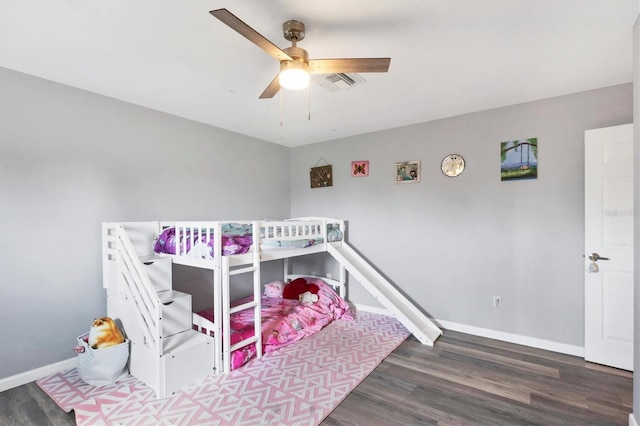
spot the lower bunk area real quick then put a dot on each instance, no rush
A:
(299, 384)
(286, 317)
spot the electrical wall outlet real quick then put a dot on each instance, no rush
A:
(329, 275)
(313, 273)
(497, 302)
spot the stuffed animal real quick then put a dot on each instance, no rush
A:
(308, 298)
(274, 289)
(103, 333)
(295, 288)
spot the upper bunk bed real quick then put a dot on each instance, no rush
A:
(199, 243)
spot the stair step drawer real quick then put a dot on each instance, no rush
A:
(176, 312)
(188, 359)
(159, 272)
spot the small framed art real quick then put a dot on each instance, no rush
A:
(321, 176)
(408, 172)
(519, 159)
(359, 168)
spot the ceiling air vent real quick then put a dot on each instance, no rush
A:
(338, 81)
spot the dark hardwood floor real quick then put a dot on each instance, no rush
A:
(468, 380)
(463, 380)
(29, 405)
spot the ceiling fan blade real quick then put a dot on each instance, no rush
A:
(250, 34)
(272, 88)
(345, 65)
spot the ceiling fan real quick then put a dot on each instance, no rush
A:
(295, 65)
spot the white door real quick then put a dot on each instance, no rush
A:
(609, 246)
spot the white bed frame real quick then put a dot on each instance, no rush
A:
(166, 353)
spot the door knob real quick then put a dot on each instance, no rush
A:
(594, 257)
(593, 266)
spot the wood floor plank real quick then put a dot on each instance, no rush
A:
(519, 364)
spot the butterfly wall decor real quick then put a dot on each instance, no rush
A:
(359, 168)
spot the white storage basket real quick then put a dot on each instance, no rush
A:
(100, 367)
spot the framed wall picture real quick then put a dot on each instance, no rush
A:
(519, 159)
(408, 172)
(359, 168)
(321, 176)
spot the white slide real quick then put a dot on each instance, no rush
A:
(395, 302)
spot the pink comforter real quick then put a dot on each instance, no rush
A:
(284, 321)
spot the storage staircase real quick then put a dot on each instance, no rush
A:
(165, 353)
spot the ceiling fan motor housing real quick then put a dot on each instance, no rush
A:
(297, 53)
(293, 30)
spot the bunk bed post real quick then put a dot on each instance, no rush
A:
(217, 329)
(226, 314)
(257, 288)
(325, 241)
(218, 302)
(287, 267)
(343, 282)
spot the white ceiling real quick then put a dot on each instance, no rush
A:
(448, 57)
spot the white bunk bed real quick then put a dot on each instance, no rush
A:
(166, 352)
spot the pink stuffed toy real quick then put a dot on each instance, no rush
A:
(274, 289)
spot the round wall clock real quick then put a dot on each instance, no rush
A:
(452, 165)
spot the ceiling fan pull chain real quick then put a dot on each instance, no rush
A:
(281, 119)
(309, 103)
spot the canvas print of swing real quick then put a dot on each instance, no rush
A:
(519, 159)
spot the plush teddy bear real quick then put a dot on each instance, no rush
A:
(308, 298)
(274, 289)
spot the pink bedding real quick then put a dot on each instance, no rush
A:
(284, 321)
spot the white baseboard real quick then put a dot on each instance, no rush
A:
(492, 334)
(37, 373)
(632, 420)
(514, 338)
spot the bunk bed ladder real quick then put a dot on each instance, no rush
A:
(222, 283)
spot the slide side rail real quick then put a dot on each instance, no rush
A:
(390, 297)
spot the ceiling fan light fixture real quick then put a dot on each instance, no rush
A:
(295, 66)
(294, 75)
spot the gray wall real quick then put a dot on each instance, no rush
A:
(451, 244)
(70, 160)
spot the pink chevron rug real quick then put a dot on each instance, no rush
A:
(296, 385)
